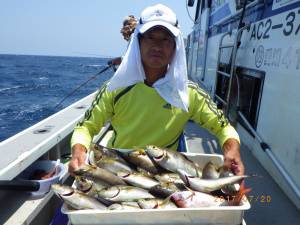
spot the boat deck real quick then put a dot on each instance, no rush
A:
(269, 204)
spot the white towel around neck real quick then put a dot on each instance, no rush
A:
(172, 87)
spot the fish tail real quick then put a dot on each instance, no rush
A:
(238, 198)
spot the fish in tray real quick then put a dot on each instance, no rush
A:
(164, 190)
(168, 178)
(159, 179)
(140, 159)
(156, 204)
(210, 171)
(88, 186)
(195, 199)
(113, 165)
(98, 151)
(124, 206)
(76, 199)
(209, 185)
(138, 179)
(123, 193)
(97, 173)
(230, 189)
(172, 161)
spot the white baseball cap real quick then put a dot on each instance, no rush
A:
(159, 15)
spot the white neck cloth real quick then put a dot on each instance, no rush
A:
(172, 87)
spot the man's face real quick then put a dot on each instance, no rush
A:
(157, 48)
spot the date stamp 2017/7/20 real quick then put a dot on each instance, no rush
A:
(251, 198)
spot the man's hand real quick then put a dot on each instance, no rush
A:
(78, 157)
(232, 157)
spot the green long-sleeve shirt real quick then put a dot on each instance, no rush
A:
(140, 117)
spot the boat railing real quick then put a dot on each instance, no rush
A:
(50, 136)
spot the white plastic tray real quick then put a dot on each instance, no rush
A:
(213, 215)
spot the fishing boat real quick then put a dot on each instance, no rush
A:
(246, 55)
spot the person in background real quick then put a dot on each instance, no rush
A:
(149, 100)
(129, 24)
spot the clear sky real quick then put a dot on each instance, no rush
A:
(74, 27)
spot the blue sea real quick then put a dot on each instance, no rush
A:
(32, 86)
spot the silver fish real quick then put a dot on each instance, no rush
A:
(75, 198)
(96, 173)
(89, 187)
(91, 158)
(173, 161)
(210, 171)
(113, 165)
(137, 179)
(99, 151)
(230, 189)
(140, 159)
(168, 178)
(164, 190)
(208, 185)
(124, 206)
(145, 172)
(156, 203)
(124, 193)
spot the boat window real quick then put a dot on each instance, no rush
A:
(222, 83)
(250, 84)
(246, 92)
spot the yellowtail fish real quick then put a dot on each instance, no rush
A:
(172, 161)
(164, 190)
(124, 193)
(156, 204)
(113, 165)
(138, 179)
(124, 206)
(96, 173)
(89, 187)
(168, 178)
(98, 151)
(210, 171)
(208, 185)
(230, 189)
(141, 159)
(75, 198)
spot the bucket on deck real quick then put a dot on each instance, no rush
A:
(44, 184)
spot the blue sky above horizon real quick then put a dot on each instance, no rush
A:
(73, 28)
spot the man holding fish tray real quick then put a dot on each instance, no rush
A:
(149, 100)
